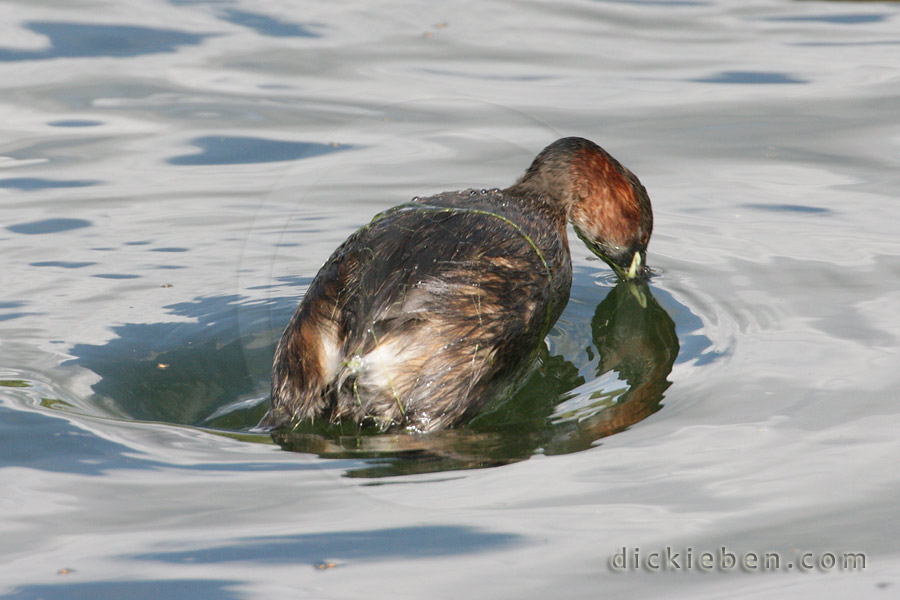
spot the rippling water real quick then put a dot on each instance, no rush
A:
(173, 174)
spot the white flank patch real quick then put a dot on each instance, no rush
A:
(381, 364)
(331, 353)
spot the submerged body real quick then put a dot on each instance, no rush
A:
(439, 304)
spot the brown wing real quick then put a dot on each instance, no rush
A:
(416, 319)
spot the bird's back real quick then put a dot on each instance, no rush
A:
(422, 314)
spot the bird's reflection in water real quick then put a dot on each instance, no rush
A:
(556, 411)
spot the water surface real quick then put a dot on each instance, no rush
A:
(174, 174)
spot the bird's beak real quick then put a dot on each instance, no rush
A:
(635, 269)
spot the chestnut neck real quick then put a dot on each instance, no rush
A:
(605, 202)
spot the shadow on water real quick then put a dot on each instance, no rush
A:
(636, 344)
(186, 372)
(213, 371)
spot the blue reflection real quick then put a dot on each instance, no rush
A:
(266, 25)
(855, 43)
(228, 150)
(196, 589)
(658, 2)
(15, 315)
(75, 123)
(69, 40)
(11, 316)
(46, 442)
(30, 184)
(799, 208)
(376, 544)
(749, 77)
(840, 19)
(695, 345)
(49, 226)
(488, 77)
(62, 264)
(36, 441)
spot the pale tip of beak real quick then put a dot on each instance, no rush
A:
(635, 265)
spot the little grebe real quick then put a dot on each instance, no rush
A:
(439, 304)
